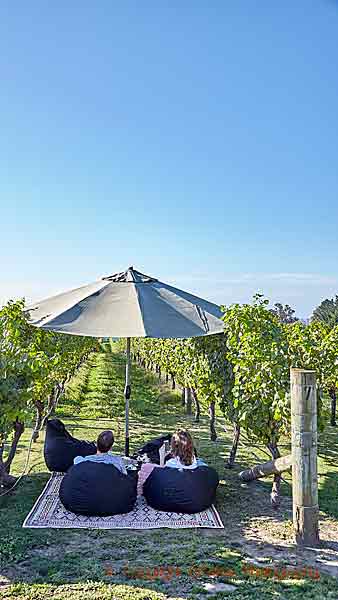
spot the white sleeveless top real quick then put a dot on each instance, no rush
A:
(176, 463)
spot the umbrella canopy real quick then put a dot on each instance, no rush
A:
(128, 304)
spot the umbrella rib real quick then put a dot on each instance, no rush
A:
(203, 317)
(139, 309)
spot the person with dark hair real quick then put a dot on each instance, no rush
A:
(105, 443)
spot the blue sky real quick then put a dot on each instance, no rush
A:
(197, 141)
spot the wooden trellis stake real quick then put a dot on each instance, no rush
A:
(304, 456)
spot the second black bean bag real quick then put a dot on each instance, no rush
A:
(151, 448)
(61, 448)
(186, 491)
(96, 489)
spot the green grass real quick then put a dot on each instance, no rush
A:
(94, 564)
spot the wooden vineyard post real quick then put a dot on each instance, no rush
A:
(304, 456)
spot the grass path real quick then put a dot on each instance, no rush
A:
(89, 564)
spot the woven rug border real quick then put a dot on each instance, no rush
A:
(173, 524)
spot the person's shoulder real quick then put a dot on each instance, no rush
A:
(78, 459)
(172, 462)
(118, 457)
(114, 457)
(117, 461)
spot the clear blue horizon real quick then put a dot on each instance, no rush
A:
(197, 142)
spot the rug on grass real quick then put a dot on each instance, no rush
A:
(48, 511)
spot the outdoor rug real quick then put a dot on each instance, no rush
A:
(48, 511)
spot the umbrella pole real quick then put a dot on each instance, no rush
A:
(127, 392)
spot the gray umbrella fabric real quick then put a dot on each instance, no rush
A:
(128, 304)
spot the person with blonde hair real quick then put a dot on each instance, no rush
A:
(182, 457)
(183, 452)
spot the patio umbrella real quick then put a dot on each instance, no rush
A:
(128, 304)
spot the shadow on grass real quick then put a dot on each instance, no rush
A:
(328, 494)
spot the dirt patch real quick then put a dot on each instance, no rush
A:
(269, 537)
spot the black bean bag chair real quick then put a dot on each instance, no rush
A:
(61, 448)
(96, 489)
(151, 449)
(186, 491)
